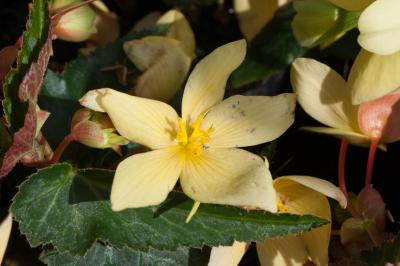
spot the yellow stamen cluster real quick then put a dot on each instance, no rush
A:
(281, 205)
(195, 138)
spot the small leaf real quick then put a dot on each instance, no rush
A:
(388, 252)
(101, 255)
(45, 215)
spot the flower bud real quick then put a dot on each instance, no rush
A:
(76, 25)
(380, 119)
(95, 130)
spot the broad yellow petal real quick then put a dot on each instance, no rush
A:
(352, 137)
(165, 66)
(253, 15)
(206, 84)
(179, 29)
(144, 121)
(320, 185)
(145, 179)
(353, 5)
(228, 255)
(249, 120)
(323, 94)
(314, 18)
(379, 27)
(300, 199)
(5, 231)
(289, 251)
(367, 67)
(229, 176)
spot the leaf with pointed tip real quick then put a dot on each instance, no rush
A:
(21, 85)
(45, 215)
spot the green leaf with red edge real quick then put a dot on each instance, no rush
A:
(22, 84)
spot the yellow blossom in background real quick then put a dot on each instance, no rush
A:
(353, 5)
(253, 15)
(297, 195)
(200, 147)
(164, 60)
(326, 96)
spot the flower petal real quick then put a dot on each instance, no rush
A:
(353, 5)
(229, 176)
(300, 199)
(241, 121)
(144, 121)
(180, 30)
(253, 15)
(206, 84)
(145, 179)
(362, 78)
(228, 255)
(289, 251)
(379, 27)
(165, 66)
(5, 231)
(352, 137)
(323, 94)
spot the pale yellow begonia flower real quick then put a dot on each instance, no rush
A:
(200, 148)
(299, 195)
(5, 231)
(253, 15)
(326, 97)
(379, 26)
(164, 60)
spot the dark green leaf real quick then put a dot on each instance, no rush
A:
(273, 49)
(389, 252)
(45, 215)
(101, 255)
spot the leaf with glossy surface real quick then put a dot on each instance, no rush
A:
(45, 216)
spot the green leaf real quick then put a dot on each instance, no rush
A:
(273, 49)
(42, 208)
(388, 252)
(101, 255)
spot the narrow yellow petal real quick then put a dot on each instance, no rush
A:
(206, 84)
(5, 231)
(144, 121)
(229, 176)
(352, 137)
(164, 63)
(379, 27)
(320, 185)
(352, 5)
(228, 255)
(253, 15)
(289, 251)
(241, 121)
(367, 67)
(145, 179)
(300, 199)
(323, 94)
(179, 29)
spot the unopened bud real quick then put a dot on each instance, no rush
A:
(76, 25)
(95, 130)
(380, 119)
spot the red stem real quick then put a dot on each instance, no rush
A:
(70, 8)
(342, 183)
(61, 148)
(371, 159)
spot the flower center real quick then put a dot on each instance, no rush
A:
(193, 139)
(281, 204)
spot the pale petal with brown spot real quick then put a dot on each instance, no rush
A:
(323, 94)
(229, 176)
(145, 179)
(144, 121)
(241, 121)
(206, 84)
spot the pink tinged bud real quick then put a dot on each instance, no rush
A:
(75, 26)
(380, 119)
